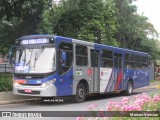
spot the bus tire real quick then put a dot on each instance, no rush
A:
(80, 93)
(129, 90)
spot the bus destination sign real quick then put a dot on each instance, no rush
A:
(34, 41)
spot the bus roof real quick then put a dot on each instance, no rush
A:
(121, 49)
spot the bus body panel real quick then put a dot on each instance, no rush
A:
(49, 91)
(66, 83)
(113, 79)
(81, 72)
(140, 77)
(65, 80)
(35, 87)
(118, 80)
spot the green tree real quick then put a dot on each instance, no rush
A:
(125, 21)
(51, 18)
(18, 18)
(89, 20)
(8, 33)
(134, 31)
(111, 22)
(92, 23)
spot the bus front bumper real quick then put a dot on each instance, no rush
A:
(49, 91)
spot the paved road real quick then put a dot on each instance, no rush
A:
(67, 105)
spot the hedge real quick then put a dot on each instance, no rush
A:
(6, 82)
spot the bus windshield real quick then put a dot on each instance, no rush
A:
(35, 60)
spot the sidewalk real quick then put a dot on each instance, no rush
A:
(152, 85)
(9, 98)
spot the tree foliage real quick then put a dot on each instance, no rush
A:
(111, 22)
(90, 20)
(17, 18)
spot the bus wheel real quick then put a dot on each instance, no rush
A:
(80, 93)
(129, 88)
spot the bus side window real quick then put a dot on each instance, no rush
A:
(106, 59)
(68, 48)
(81, 55)
(127, 60)
(144, 62)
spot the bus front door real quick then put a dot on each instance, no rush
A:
(118, 71)
(95, 71)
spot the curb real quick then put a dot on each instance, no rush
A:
(148, 87)
(18, 101)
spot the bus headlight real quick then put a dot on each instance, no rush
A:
(16, 84)
(48, 83)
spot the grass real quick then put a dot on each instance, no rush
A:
(153, 81)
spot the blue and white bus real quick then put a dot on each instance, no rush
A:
(50, 66)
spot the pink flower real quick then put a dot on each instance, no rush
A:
(110, 103)
(135, 107)
(117, 107)
(139, 102)
(138, 108)
(156, 98)
(124, 102)
(108, 107)
(92, 106)
(125, 99)
(124, 108)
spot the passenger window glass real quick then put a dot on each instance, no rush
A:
(81, 55)
(106, 58)
(136, 61)
(68, 48)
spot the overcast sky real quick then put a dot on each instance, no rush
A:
(151, 9)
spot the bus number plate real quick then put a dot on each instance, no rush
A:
(27, 90)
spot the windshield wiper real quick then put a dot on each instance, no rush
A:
(24, 59)
(37, 55)
(30, 59)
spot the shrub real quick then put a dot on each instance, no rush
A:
(5, 82)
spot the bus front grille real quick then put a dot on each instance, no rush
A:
(32, 92)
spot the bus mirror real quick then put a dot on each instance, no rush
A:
(11, 55)
(63, 58)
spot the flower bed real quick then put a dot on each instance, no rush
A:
(121, 109)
